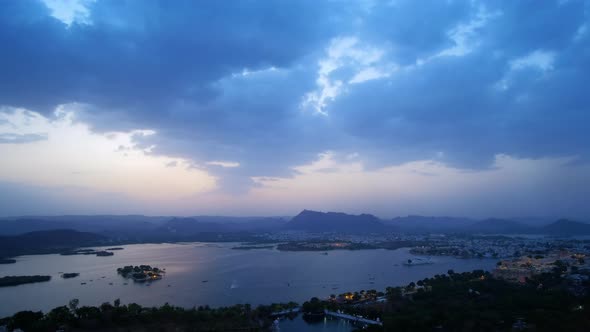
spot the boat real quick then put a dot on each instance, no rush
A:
(418, 261)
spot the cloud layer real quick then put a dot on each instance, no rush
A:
(253, 89)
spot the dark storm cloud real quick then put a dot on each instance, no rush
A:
(178, 67)
(457, 106)
(169, 66)
(143, 55)
(415, 30)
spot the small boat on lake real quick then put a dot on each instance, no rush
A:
(418, 261)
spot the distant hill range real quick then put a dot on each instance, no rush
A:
(564, 227)
(140, 228)
(421, 224)
(102, 224)
(317, 222)
(195, 225)
(499, 226)
(47, 242)
(136, 228)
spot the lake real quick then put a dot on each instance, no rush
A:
(214, 274)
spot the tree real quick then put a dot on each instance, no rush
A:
(356, 296)
(88, 312)
(106, 307)
(25, 320)
(73, 305)
(60, 316)
(560, 266)
(135, 309)
(314, 306)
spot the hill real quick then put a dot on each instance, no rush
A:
(137, 228)
(420, 224)
(313, 221)
(190, 226)
(566, 227)
(47, 242)
(499, 226)
(103, 224)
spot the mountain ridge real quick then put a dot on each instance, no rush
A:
(567, 227)
(314, 221)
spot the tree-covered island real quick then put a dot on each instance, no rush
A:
(141, 273)
(20, 280)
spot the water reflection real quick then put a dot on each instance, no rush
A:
(299, 323)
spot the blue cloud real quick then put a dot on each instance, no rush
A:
(225, 80)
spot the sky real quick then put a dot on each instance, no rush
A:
(463, 108)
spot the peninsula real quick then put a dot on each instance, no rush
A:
(20, 280)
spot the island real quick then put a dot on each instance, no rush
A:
(249, 247)
(70, 275)
(100, 253)
(20, 280)
(78, 252)
(141, 273)
(116, 248)
(418, 261)
(7, 261)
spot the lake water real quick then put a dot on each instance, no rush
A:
(325, 325)
(260, 276)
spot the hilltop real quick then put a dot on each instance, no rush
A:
(47, 241)
(418, 224)
(567, 227)
(499, 226)
(313, 221)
